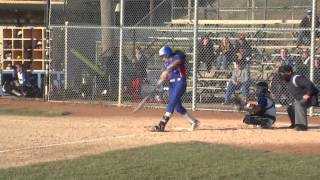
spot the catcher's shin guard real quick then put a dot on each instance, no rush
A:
(250, 119)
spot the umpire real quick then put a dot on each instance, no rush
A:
(305, 95)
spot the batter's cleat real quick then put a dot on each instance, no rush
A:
(195, 125)
(157, 128)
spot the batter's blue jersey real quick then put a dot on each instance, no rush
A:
(180, 71)
(177, 84)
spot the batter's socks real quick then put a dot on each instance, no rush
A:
(162, 124)
(193, 121)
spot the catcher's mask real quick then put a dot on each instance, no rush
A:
(261, 88)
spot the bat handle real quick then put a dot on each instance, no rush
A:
(159, 82)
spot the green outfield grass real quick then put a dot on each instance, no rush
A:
(176, 161)
(31, 112)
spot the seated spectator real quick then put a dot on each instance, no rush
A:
(243, 45)
(239, 79)
(206, 52)
(244, 48)
(285, 58)
(302, 64)
(19, 80)
(224, 52)
(262, 112)
(278, 87)
(304, 37)
(20, 85)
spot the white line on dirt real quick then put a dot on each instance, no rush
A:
(67, 143)
(106, 138)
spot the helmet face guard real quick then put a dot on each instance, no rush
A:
(165, 51)
(261, 88)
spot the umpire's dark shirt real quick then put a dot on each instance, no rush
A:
(305, 86)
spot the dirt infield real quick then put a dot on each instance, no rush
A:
(92, 129)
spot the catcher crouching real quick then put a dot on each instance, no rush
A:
(263, 112)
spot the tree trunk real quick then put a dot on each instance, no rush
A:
(151, 9)
(107, 20)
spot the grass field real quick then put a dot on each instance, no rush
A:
(193, 160)
(31, 112)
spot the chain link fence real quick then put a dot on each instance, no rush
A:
(79, 69)
(231, 55)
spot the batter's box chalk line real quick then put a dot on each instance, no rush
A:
(68, 143)
(177, 129)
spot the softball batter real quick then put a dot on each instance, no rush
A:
(175, 73)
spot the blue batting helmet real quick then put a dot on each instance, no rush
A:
(165, 51)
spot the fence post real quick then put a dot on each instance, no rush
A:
(47, 46)
(66, 55)
(120, 52)
(189, 8)
(172, 7)
(195, 49)
(313, 37)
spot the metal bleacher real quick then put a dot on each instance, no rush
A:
(265, 42)
(266, 36)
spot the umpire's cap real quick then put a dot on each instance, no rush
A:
(285, 69)
(309, 12)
